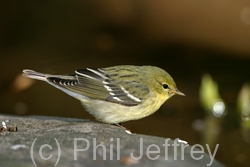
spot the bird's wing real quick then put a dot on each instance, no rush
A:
(99, 84)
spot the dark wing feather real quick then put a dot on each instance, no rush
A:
(98, 84)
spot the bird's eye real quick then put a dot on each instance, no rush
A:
(165, 86)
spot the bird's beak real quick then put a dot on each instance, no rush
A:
(177, 92)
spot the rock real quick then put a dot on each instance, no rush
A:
(64, 142)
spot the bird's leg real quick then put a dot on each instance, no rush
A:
(120, 125)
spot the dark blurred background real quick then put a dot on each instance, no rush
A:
(189, 39)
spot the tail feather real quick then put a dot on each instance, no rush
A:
(62, 82)
(35, 75)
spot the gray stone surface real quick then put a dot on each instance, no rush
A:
(34, 132)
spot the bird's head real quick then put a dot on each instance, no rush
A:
(162, 83)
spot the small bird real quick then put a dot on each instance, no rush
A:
(115, 94)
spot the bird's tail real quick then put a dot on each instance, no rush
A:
(35, 75)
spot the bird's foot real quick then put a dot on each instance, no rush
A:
(120, 125)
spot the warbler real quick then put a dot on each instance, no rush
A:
(115, 94)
